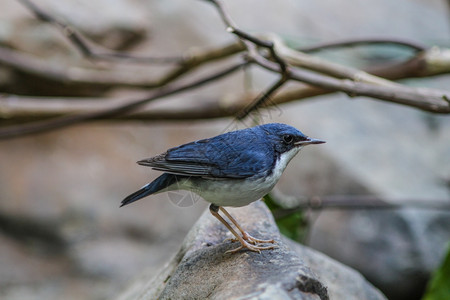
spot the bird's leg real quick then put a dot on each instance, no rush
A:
(214, 209)
(245, 234)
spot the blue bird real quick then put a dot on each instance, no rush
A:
(231, 169)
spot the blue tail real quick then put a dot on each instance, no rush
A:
(156, 185)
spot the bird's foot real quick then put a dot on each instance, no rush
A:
(254, 248)
(246, 240)
(254, 240)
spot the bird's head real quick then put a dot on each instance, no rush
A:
(286, 138)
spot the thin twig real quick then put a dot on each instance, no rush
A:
(357, 203)
(414, 45)
(18, 109)
(262, 100)
(83, 47)
(91, 78)
(432, 61)
(264, 44)
(14, 109)
(361, 83)
(299, 59)
(427, 99)
(250, 42)
(247, 39)
(38, 127)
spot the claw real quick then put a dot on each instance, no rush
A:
(254, 240)
(250, 239)
(246, 240)
(231, 239)
(250, 247)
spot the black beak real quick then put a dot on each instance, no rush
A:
(309, 141)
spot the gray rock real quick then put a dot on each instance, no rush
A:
(396, 250)
(202, 270)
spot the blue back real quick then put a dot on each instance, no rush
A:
(237, 154)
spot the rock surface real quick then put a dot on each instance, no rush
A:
(202, 270)
(396, 250)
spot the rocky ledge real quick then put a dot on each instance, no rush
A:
(202, 270)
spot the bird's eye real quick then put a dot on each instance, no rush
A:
(288, 138)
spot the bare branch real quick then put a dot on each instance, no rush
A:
(292, 204)
(360, 83)
(37, 127)
(430, 62)
(14, 109)
(365, 41)
(249, 40)
(90, 78)
(68, 75)
(81, 44)
(358, 203)
(299, 59)
(18, 109)
(262, 100)
(279, 59)
(426, 99)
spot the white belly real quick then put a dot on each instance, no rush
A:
(237, 192)
(233, 192)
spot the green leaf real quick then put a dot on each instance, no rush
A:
(439, 285)
(293, 225)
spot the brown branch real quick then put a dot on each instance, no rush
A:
(81, 44)
(431, 100)
(356, 202)
(281, 60)
(90, 78)
(355, 82)
(18, 109)
(292, 204)
(299, 59)
(58, 74)
(430, 62)
(262, 100)
(249, 40)
(414, 45)
(37, 127)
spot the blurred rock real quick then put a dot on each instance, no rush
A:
(202, 270)
(58, 220)
(396, 250)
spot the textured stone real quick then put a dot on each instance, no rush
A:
(202, 270)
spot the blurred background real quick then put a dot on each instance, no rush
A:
(62, 232)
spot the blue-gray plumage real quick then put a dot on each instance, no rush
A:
(231, 169)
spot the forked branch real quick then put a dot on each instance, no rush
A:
(313, 76)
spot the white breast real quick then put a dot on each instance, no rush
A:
(239, 192)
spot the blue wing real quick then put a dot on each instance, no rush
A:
(230, 155)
